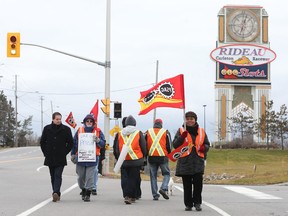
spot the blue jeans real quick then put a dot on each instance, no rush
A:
(164, 167)
(96, 174)
(56, 178)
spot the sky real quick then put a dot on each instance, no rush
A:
(178, 34)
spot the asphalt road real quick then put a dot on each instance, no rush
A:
(25, 190)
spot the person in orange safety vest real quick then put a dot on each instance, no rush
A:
(159, 146)
(190, 166)
(132, 146)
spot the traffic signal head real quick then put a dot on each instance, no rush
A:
(13, 45)
(106, 108)
(117, 110)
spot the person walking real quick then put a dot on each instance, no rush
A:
(56, 142)
(159, 146)
(134, 159)
(190, 166)
(86, 156)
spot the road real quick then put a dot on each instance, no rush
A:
(25, 190)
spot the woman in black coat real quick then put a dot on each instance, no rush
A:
(190, 166)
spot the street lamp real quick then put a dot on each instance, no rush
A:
(204, 106)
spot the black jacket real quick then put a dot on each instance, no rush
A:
(191, 164)
(56, 142)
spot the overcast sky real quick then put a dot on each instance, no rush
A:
(180, 34)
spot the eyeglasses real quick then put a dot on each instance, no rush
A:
(90, 121)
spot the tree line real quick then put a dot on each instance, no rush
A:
(9, 136)
(272, 126)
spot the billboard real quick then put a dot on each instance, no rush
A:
(243, 55)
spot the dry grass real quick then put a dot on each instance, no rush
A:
(240, 166)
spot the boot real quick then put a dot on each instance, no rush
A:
(83, 194)
(87, 196)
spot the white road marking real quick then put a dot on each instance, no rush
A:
(215, 208)
(38, 169)
(251, 193)
(45, 202)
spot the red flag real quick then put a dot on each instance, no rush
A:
(167, 93)
(70, 120)
(177, 153)
(94, 111)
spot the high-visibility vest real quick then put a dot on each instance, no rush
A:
(198, 142)
(96, 131)
(156, 141)
(132, 142)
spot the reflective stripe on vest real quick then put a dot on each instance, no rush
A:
(155, 142)
(198, 142)
(96, 132)
(128, 140)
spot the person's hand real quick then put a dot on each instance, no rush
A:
(184, 134)
(74, 158)
(202, 148)
(96, 139)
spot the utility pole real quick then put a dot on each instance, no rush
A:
(16, 113)
(107, 85)
(156, 81)
(41, 99)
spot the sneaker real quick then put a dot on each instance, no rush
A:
(198, 207)
(127, 200)
(55, 197)
(133, 200)
(94, 192)
(164, 194)
(188, 208)
(156, 198)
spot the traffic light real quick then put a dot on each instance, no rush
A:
(106, 108)
(117, 110)
(13, 45)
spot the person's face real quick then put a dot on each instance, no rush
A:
(57, 120)
(190, 121)
(89, 122)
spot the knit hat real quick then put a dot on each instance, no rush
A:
(123, 122)
(191, 114)
(130, 120)
(89, 116)
(158, 123)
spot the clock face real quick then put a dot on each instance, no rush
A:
(243, 25)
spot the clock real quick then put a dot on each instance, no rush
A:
(243, 25)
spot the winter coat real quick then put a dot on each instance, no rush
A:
(56, 142)
(191, 164)
(131, 163)
(160, 159)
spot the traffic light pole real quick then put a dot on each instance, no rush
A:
(107, 66)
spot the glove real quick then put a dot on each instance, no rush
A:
(96, 139)
(202, 148)
(184, 134)
(74, 159)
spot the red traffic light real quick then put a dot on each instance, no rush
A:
(13, 39)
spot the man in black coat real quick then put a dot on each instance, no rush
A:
(56, 142)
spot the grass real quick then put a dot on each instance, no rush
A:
(245, 167)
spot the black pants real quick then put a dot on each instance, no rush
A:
(56, 178)
(192, 185)
(130, 181)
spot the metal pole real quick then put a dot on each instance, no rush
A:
(157, 63)
(204, 106)
(41, 98)
(16, 113)
(107, 85)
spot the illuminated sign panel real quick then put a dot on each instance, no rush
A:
(229, 72)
